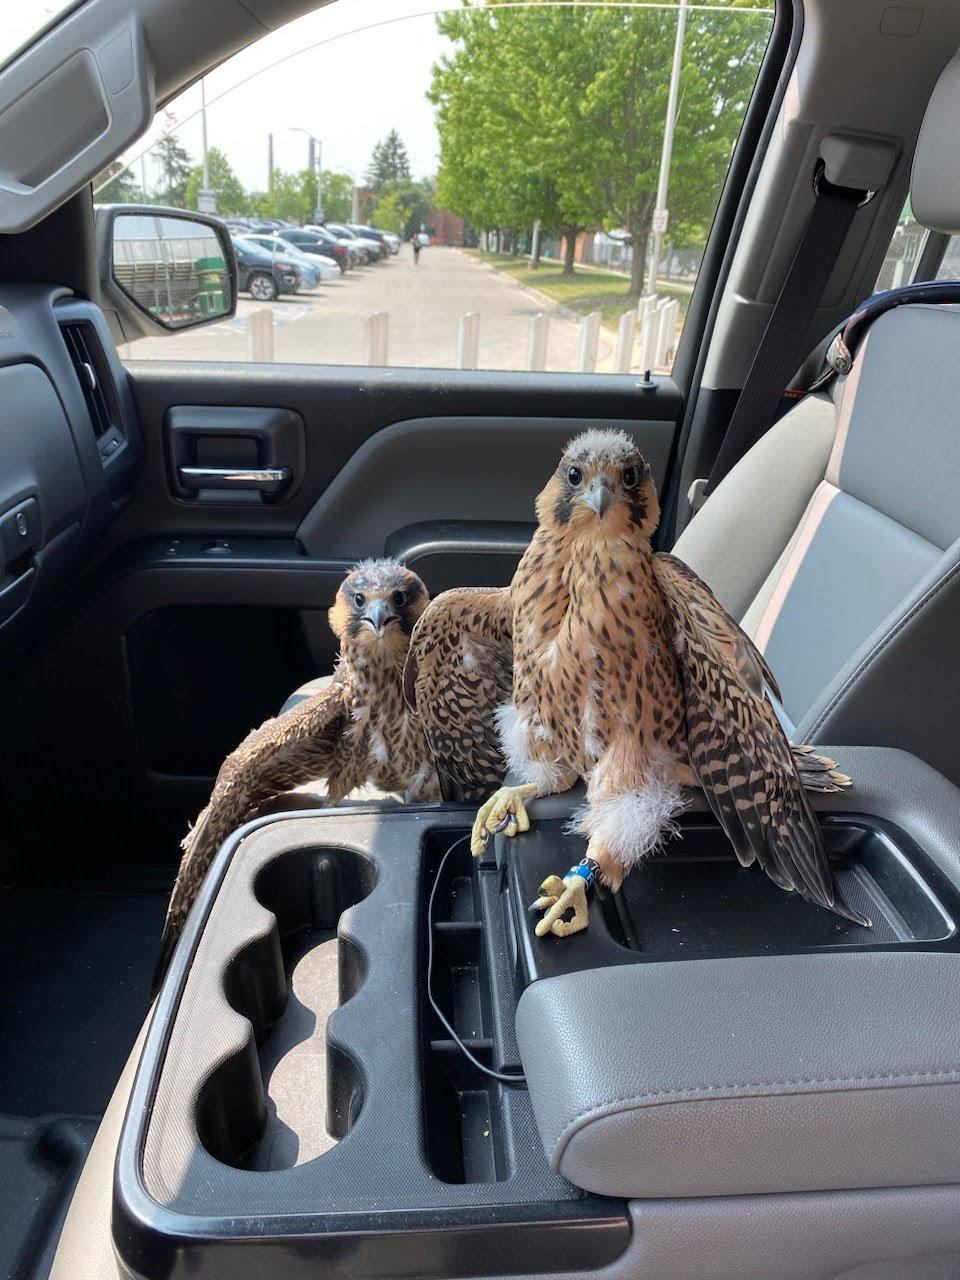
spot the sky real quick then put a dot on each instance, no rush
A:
(347, 73)
(359, 68)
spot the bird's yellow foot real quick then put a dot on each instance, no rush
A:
(556, 898)
(505, 807)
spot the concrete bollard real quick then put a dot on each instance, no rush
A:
(537, 341)
(667, 333)
(468, 340)
(589, 341)
(375, 333)
(648, 331)
(260, 335)
(626, 334)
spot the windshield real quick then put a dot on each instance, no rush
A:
(23, 22)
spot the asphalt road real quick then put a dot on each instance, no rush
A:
(424, 304)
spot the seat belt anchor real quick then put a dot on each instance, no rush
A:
(697, 493)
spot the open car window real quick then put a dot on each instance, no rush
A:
(521, 231)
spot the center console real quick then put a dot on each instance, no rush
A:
(302, 1108)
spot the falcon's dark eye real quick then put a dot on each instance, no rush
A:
(574, 477)
(630, 477)
(359, 599)
(399, 599)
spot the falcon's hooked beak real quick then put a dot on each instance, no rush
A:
(599, 496)
(378, 616)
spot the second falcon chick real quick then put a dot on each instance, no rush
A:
(356, 730)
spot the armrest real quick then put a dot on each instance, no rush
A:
(752, 1075)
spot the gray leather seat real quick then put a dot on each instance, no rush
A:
(836, 541)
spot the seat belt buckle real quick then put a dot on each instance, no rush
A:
(697, 493)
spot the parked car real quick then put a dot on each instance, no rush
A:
(372, 248)
(323, 267)
(356, 254)
(264, 275)
(319, 243)
(389, 238)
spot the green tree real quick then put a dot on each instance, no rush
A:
(416, 198)
(174, 165)
(291, 196)
(498, 163)
(231, 197)
(389, 214)
(558, 114)
(337, 196)
(389, 162)
(119, 185)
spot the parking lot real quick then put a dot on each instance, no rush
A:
(424, 304)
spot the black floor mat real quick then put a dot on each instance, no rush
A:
(75, 971)
(40, 1161)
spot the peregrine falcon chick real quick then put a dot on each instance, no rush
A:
(629, 674)
(356, 730)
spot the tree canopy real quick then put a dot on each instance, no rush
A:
(389, 162)
(337, 196)
(116, 185)
(175, 166)
(557, 113)
(231, 196)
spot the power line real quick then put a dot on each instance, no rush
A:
(451, 8)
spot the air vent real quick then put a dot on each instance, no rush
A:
(93, 374)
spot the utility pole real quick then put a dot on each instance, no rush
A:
(206, 199)
(203, 127)
(319, 182)
(660, 210)
(269, 161)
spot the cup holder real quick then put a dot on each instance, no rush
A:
(289, 1096)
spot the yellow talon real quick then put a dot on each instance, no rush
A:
(557, 897)
(507, 803)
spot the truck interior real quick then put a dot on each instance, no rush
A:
(715, 1081)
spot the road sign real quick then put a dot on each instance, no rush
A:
(206, 201)
(660, 219)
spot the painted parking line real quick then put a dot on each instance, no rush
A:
(284, 314)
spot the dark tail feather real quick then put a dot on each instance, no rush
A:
(199, 846)
(818, 773)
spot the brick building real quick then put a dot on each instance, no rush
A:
(447, 228)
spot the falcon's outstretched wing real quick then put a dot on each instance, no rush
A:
(300, 746)
(459, 670)
(737, 747)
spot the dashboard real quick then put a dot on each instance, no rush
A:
(69, 444)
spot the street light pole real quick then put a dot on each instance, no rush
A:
(203, 130)
(319, 181)
(663, 182)
(315, 165)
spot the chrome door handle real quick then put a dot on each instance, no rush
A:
(263, 479)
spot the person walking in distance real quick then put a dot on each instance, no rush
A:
(415, 241)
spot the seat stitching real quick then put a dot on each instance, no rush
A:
(874, 653)
(692, 1093)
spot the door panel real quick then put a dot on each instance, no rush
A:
(202, 613)
(435, 469)
(342, 409)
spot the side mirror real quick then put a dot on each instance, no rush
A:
(163, 270)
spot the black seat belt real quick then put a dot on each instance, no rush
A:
(779, 354)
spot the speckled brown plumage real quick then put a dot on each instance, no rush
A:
(458, 672)
(357, 730)
(629, 674)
